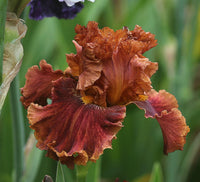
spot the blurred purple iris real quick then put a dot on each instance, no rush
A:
(48, 8)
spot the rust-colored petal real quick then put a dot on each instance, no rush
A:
(163, 106)
(105, 40)
(112, 61)
(74, 61)
(84, 65)
(127, 79)
(39, 84)
(144, 40)
(71, 131)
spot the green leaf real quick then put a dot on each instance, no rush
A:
(33, 159)
(189, 159)
(3, 9)
(17, 131)
(88, 173)
(82, 172)
(60, 174)
(64, 174)
(15, 30)
(156, 175)
(94, 171)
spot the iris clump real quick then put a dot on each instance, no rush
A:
(108, 72)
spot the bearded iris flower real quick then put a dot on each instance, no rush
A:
(89, 98)
(40, 9)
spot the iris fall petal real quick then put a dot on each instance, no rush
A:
(71, 131)
(39, 84)
(163, 106)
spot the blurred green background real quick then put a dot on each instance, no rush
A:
(139, 145)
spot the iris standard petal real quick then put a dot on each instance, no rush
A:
(84, 65)
(127, 79)
(112, 62)
(106, 40)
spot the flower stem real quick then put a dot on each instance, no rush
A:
(94, 171)
(18, 130)
(90, 172)
(3, 9)
(81, 173)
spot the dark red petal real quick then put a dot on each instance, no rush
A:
(72, 131)
(39, 84)
(163, 106)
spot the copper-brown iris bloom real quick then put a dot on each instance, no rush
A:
(89, 98)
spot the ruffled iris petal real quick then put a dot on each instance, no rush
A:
(48, 8)
(85, 65)
(39, 84)
(71, 131)
(163, 106)
(106, 40)
(127, 79)
(110, 65)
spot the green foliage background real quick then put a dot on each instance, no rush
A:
(139, 145)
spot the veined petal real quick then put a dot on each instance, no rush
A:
(112, 61)
(163, 106)
(106, 40)
(39, 84)
(71, 131)
(127, 79)
(85, 65)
